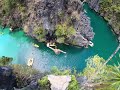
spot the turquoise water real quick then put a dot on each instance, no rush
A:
(20, 47)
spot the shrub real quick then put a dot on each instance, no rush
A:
(93, 64)
(23, 74)
(5, 61)
(40, 33)
(8, 5)
(63, 31)
(73, 84)
(44, 81)
(56, 71)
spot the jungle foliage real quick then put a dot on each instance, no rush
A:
(110, 9)
(64, 31)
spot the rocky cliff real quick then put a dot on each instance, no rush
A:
(7, 79)
(45, 15)
(94, 4)
(110, 10)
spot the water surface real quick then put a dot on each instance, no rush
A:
(20, 47)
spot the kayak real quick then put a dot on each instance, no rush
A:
(35, 45)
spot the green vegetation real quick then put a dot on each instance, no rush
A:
(12, 13)
(107, 77)
(8, 5)
(64, 31)
(110, 9)
(23, 73)
(43, 82)
(5, 61)
(40, 33)
(56, 71)
(93, 64)
(73, 84)
(114, 77)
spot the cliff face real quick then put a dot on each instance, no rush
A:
(7, 79)
(10, 80)
(94, 4)
(47, 14)
(110, 10)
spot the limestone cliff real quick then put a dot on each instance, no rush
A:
(47, 14)
(110, 10)
(94, 4)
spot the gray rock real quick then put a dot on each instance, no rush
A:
(7, 79)
(94, 4)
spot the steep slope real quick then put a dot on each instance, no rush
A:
(60, 20)
(110, 10)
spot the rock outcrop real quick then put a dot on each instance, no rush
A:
(7, 79)
(49, 13)
(33, 83)
(105, 9)
(94, 4)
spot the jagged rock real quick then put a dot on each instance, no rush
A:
(81, 80)
(94, 4)
(33, 83)
(7, 79)
(48, 14)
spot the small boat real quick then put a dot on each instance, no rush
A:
(91, 44)
(48, 45)
(35, 45)
(11, 29)
(30, 62)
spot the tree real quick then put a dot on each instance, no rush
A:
(114, 78)
(64, 31)
(40, 33)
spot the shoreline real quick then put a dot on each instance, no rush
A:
(110, 25)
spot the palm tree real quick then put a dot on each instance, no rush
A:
(114, 78)
(112, 55)
(91, 79)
